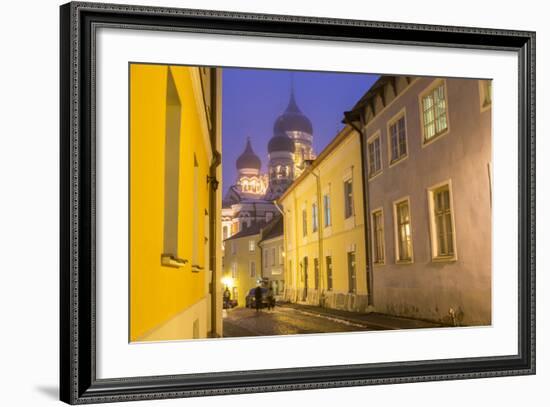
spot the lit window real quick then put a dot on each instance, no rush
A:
(442, 223)
(314, 218)
(326, 205)
(234, 271)
(348, 198)
(375, 161)
(251, 245)
(398, 139)
(434, 112)
(404, 234)
(378, 234)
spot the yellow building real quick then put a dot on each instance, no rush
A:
(175, 140)
(324, 230)
(242, 263)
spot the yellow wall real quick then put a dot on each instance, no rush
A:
(242, 258)
(342, 236)
(158, 293)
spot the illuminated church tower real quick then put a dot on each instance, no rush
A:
(250, 182)
(298, 127)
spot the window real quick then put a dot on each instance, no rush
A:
(251, 245)
(328, 260)
(486, 93)
(252, 268)
(233, 248)
(266, 257)
(316, 272)
(403, 232)
(434, 112)
(375, 162)
(172, 169)
(268, 216)
(280, 254)
(314, 218)
(234, 271)
(348, 198)
(326, 206)
(398, 139)
(273, 256)
(378, 236)
(351, 272)
(304, 222)
(442, 223)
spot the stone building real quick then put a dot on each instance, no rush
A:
(427, 144)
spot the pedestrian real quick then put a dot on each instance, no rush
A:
(258, 297)
(270, 299)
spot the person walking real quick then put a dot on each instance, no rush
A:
(258, 297)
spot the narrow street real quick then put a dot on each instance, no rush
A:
(282, 320)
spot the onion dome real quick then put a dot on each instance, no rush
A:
(292, 119)
(280, 142)
(249, 159)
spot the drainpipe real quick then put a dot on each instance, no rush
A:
(320, 227)
(358, 125)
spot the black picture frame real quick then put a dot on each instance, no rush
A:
(78, 382)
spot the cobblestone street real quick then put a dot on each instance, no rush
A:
(283, 321)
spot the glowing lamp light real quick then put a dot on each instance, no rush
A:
(227, 281)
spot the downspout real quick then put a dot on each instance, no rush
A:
(213, 191)
(366, 204)
(320, 232)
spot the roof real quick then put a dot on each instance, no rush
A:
(336, 141)
(254, 229)
(273, 229)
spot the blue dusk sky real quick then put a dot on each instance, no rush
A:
(254, 98)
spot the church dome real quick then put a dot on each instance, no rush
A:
(280, 142)
(249, 159)
(292, 119)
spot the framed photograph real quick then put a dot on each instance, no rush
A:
(255, 203)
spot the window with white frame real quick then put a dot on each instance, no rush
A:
(443, 239)
(234, 270)
(348, 198)
(314, 218)
(397, 139)
(268, 216)
(233, 248)
(378, 236)
(326, 207)
(434, 112)
(486, 93)
(404, 250)
(251, 245)
(375, 160)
